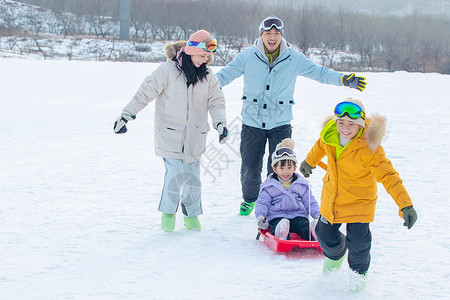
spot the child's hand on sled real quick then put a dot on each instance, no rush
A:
(262, 222)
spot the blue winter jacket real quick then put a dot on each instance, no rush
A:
(268, 93)
(275, 201)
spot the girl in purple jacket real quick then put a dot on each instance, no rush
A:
(285, 200)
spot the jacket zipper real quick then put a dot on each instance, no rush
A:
(271, 67)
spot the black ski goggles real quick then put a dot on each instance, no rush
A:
(284, 151)
(272, 22)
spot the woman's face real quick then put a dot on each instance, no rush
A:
(199, 59)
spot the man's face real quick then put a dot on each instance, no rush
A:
(271, 39)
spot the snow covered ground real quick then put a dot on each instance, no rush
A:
(78, 204)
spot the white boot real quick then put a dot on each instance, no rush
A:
(282, 229)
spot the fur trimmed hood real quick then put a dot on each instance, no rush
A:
(171, 49)
(374, 131)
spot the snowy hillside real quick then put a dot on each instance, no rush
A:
(43, 38)
(78, 209)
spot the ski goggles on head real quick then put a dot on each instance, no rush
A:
(271, 22)
(284, 151)
(208, 45)
(350, 109)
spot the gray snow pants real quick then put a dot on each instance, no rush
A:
(181, 182)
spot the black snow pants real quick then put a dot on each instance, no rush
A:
(334, 243)
(253, 147)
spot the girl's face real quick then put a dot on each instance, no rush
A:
(347, 129)
(271, 40)
(284, 172)
(199, 59)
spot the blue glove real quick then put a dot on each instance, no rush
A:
(355, 82)
(223, 133)
(119, 125)
(410, 216)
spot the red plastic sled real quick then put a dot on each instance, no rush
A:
(278, 245)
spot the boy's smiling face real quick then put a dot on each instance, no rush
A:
(347, 129)
(271, 39)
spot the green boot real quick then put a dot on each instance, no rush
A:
(330, 265)
(167, 222)
(247, 208)
(192, 223)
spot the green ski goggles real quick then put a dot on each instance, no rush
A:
(350, 109)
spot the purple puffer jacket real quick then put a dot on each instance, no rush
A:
(274, 201)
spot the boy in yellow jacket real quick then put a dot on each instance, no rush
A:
(356, 161)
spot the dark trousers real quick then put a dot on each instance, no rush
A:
(298, 225)
(358, 241)
(253, 147)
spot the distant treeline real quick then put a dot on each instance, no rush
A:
(415, 42)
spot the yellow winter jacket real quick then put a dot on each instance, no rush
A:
(349, 192)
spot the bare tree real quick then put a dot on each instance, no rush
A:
(10, 19)
(415, 42)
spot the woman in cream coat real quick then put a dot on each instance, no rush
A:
(184, 89)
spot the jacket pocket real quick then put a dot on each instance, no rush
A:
(362, 192)
(326, 178)
(170, 138)
(250, 107)
(284, 110)
(201, 131)
(326, 186)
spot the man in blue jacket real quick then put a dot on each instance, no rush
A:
(270, 68)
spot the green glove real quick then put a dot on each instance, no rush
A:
(355, 82)
(410, 216)
(306, 169)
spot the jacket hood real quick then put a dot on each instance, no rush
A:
(374, 131)
(171, 49)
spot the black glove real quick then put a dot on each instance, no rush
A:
(306, 169)
(119, 125)
(355, 82)
(223, 133)
(410, 216)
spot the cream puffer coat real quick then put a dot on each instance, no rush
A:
(181, 112)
